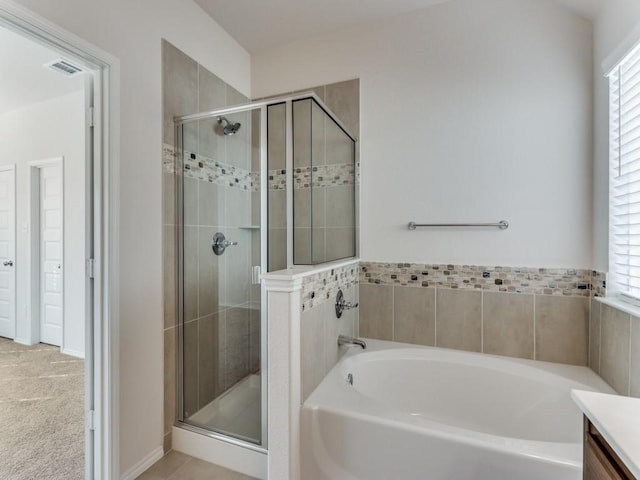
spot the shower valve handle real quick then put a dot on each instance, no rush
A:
(342, 304)
(219, 243)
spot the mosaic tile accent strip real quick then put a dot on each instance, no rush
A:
(323, 287)
(168, 159)
(206, 169)
(544, 281)
(322, 176)
(599, 283)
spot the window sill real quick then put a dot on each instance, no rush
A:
(618, 304)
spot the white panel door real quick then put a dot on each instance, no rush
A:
(51, 287)
(7, 253)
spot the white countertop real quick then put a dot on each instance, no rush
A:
(617, 418)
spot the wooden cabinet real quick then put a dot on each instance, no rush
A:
(600, 461)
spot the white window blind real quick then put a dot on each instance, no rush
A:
(624, 124)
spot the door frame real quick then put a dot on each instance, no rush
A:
(102, 143)
(12, 168)
(33, 262)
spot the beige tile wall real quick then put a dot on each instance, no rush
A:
(615, 348)
(221, 333)
(541, 327)
(319, 343)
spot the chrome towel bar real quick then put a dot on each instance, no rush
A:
(502, 225)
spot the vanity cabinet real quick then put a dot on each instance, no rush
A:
(600, 462)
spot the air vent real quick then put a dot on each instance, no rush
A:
(64, 67)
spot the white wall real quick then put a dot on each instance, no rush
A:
(471, 111)
(54, 128)
(132, 31)
(617, 26)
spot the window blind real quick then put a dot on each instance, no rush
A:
(624, 122)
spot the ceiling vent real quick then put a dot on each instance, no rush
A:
(64, 67)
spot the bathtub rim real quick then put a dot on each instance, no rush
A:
(333, 395)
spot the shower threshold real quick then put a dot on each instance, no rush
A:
(235, 413)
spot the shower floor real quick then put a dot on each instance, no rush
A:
(236, 412)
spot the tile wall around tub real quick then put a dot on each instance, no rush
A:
(614, 342)
(218, 172)
(615, 347)
(320, 325)
(532, 313)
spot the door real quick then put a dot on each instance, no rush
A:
(220, 249)
(7, 252)
(51, 285)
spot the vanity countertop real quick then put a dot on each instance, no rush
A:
(617, 418)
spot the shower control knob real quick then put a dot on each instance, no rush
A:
(219, 243)
(342, 304)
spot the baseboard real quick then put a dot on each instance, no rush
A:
(23, 341)
(73, 353)
(143, 465)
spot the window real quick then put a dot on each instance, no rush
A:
(624, 144)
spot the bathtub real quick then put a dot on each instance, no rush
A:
(433, 414)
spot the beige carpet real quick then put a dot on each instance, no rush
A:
(41, 413)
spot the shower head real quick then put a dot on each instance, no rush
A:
(229, 128)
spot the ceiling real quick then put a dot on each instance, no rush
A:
(23, 79)
(262, 24)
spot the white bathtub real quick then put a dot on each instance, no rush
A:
(431, 414)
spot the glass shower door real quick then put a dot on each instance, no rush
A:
(221, 258)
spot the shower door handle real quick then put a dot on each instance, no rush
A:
(256, 275)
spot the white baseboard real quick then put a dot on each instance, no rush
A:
(233, 457)
(73, 353)
(23, 341)
(143, 465)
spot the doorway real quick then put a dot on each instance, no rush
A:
(99, 376)
(37, 372)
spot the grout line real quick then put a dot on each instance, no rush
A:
(198, 366)
(324, 345)
(482, 321)
(629, 359)
(600, 341)
(589, 334)
(535, 346)
(393, 312)
(435, 317)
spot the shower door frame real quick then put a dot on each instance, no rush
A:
(182, 422)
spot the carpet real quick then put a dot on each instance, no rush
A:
(41, 413)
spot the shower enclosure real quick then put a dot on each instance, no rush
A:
(240, 177)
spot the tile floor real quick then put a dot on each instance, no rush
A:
(178, 466)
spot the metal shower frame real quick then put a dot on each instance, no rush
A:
(179, 121)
